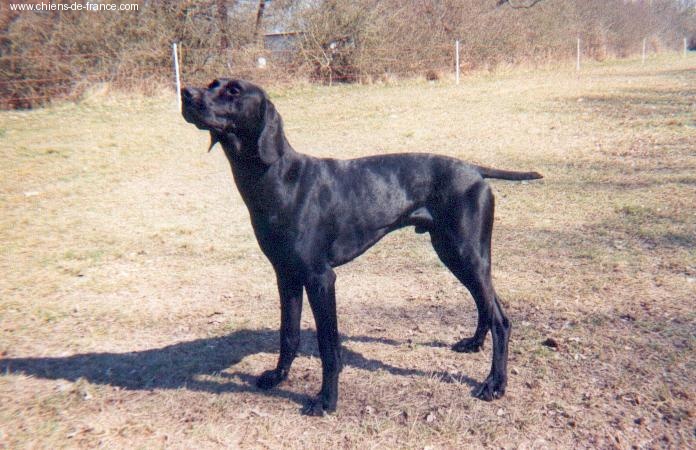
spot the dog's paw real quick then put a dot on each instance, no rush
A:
(270, 379)
(316, 407)
(491, 389)
(468, 345)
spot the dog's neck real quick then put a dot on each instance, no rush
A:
(248, 169)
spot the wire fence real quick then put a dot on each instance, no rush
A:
(329, 66)
(31, 80)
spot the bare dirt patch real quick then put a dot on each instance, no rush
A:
(136, 308)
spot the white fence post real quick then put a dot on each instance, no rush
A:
(643, 54)
(456, 62)
(577, 64)
(176, 73)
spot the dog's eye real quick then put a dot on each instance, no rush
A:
(214, 84)
(233, 89)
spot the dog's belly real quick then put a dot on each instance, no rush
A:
(349, 246)
(356, 238)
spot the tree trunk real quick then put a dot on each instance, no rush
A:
(259, 19)
(222, 23)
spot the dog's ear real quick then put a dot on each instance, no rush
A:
(270, 143)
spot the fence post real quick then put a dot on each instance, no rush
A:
(685, 47)
(176, 73)
(456, 60)
(643, 54)
(577, 64)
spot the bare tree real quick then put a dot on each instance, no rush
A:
(222, 23)
(259, 17)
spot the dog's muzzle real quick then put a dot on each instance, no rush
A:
(192, 107)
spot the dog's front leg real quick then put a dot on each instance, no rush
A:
(290, 289)
(322, 299)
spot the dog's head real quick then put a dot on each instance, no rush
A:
(236, 112)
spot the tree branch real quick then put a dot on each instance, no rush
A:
(517, 6)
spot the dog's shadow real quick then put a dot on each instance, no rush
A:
(184, 365)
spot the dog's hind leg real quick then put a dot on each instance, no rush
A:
(462, 240)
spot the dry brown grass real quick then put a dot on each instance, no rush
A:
(136, 308)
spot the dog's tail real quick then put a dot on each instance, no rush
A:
(488, 172)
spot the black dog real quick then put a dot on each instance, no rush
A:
(311, 215)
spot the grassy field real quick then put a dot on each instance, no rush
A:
(136, 309)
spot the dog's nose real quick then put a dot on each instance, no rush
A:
(186, 94)
(191, 95)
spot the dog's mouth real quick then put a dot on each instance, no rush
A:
(192, 114)
(193, 110)
(194, 119)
